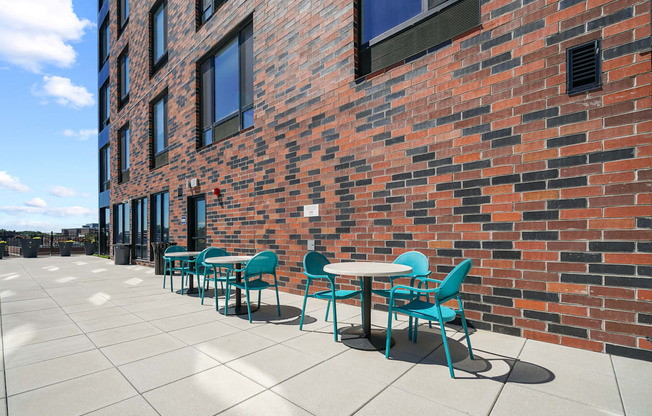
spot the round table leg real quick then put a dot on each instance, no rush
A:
(356, 339)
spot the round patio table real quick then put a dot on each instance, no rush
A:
(366, 338)
(180, 255)
(237, 261)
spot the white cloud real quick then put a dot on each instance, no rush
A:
(75, 211)
(11, 182)
(64, 92)
(64, 192)
(34, 33)
(81, 135)
(36, 202)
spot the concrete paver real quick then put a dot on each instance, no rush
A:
(83, 336)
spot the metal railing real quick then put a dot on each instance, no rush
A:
(50, 242)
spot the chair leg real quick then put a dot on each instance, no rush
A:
(388, 342)
(443, 336)
(202, 288)
(226, 302)
(328, 308)
(165, 272)
(278, 302)
(334, 315)
(303, 310)
(416, 327)
(466, 331)
(409, 327)
(249, 305)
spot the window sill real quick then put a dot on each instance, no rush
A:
(123, 102)
(232, 136)
(156, 66)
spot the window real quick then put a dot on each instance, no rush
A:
(105, 168)
(140, 228)
(161, 217)
(391, 31)
(123, 153)
(227, 85)
(105, 105)
(105, 225)
(123, 13)
(104, 46)
(121, 229)
(583, 67)
(160, 131)
(159, 35)
(207, 8)
(123, 77)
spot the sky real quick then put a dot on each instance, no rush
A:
(48, 114)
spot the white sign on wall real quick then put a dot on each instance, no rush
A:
(311, 210)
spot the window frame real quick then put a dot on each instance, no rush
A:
(104, 42)
(159, 158)
(123, 155)
(123, 98)
(122, 223)
(201, 11)
(105, 167)
(156, 200)
(105, 103)
(156, 64)
(140, 230)
(425, 14)
(122, 23)
(238, 35)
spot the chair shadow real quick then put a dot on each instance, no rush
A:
(290, 315)
(518, 371)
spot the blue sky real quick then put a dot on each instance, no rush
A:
(48, 114)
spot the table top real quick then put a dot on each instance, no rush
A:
(367, 269)
(228, 259)
(183, 254)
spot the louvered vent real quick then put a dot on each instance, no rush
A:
(583, 67)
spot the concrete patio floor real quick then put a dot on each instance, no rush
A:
(83, 336)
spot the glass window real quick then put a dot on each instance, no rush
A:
(105, 170)
(124, 77)
(121, 226)
(379, 16)
(123, 11)
(124, 149)
(160, 125)
(104, 37)
(159, 32)
(227, 82)
(207, 7)
(161, 214)
(105, 105)
(227, 90)
(140, 228)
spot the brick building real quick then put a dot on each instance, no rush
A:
(515, 133)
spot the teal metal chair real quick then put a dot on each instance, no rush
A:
(420, 270)
(448, 289)
(169, 265)
(262, 263)
(220, 271)
(196, 267)
(313, 268)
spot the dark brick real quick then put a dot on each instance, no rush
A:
(566, 140)
(635, 282)
(567, 204)
(542, 316)
(540, 235)
(506, 255)
(566, 119)
(568, 330)
(612, 246)
(587, 279)
(541, 114)
(567, 161)
(542, 296)
(636, 46)
(540, 215)
(612, 269)
(565, 35)
(612, 155)
(576, 257)
(619, 16)
(568, 182)
(628, 352)
(540, 175)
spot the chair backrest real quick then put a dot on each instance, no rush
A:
(450, 286)
(174, 249)
(313, 264)
(210, 252)
(263, 262)
(416, 260)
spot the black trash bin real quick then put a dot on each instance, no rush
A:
(122, 253)
(158, 249)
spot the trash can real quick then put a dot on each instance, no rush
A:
(122, 253)
(158, 249)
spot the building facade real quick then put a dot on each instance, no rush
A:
(514, 133)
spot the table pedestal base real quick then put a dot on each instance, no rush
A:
(354, 338)
(191, 291)
(238, 310)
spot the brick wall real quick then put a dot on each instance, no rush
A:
(470, 150)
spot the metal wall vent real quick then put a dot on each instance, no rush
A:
(583, 67)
